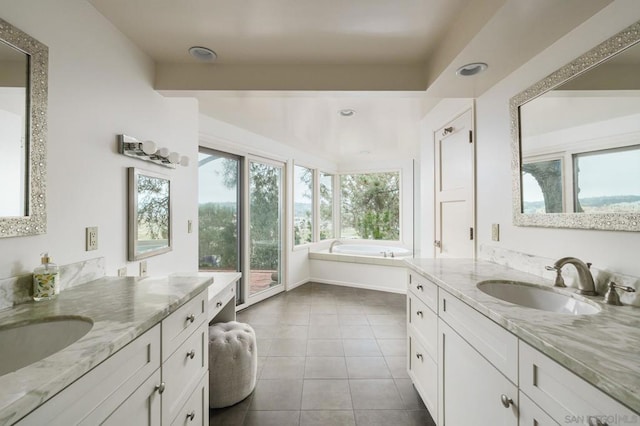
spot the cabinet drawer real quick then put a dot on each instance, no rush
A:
(96, 394)
(182, 371)
(424, 372)
(218, 301)
(425, 290)
(492, 341)
(425, 323)
(184, 321)
(564, 396)
(532, 415)
(196, 410)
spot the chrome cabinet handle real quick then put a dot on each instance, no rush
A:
(160, 388)
(419, 287)
(506, 401)
(419, 356)
(191, 354)
(218, 304)
(191, 318)
(191, 416)
(420, 314)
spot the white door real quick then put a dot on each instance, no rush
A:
(455, 182)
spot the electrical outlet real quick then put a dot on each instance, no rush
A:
(122, 272)
(495, 231)
(143, 268)
(92, 238)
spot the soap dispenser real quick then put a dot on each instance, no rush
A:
(46, 279)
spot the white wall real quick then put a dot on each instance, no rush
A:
(100, 85)
(617, 251)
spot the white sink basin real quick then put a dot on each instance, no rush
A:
(538, 297)
(24, 343)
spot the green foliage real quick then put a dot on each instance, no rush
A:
(265, 220)
(218, 236)
(153, 208)
(370, 207)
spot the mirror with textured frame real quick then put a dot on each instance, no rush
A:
(576, 142)
(23, 131)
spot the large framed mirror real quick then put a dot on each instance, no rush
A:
(576, 142)
(23, 133)
(149, 214)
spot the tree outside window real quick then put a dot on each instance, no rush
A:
(326, 206)
(302, 205)
(370, 206)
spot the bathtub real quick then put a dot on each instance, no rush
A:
(361, 266)
(371, 250)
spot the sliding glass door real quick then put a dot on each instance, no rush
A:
(219, 207)
(265, 228)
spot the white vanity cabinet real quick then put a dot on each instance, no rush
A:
(487, 375)
(478, 367)
(422, 339)
(160, 378)
(565, 397)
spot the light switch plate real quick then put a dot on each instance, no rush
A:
(143, 268)
(495, 231)
(91, 238)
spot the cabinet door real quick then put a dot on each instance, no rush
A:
(142, 408)
(532, 415)
(470, 387)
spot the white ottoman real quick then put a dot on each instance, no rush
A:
(233, 363)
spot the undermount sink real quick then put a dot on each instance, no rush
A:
(538, 297)
(24, 343)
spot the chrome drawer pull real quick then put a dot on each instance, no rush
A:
(191, 354)
(191, 318)
(218, 304)
(419, 356)
(191, 416)
(160, 388)
(506, 401)
(420, 314)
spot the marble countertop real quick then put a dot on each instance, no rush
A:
(121, 308)
(602, 348)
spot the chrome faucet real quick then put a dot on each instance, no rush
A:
(334, 243)
(586, 285)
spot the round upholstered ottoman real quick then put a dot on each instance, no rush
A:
(233, 363)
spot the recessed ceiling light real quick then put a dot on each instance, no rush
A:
(203, 54)
(471, 69)
(347, 112)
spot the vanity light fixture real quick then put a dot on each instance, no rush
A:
(203, 54)
(471, 69)
(347, 112)
(149, 151)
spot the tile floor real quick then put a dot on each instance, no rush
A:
(329, 355)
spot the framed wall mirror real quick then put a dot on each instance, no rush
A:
(23, 132)
(149, 214)
(576, 142)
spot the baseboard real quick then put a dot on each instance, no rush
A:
(356, 285)
(298, 284)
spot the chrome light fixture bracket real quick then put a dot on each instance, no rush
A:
(149, 151)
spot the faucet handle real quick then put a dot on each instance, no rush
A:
(611, 296)
(559, 281)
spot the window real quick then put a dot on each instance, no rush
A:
(302, 205)
(326, 206)
(370, 206)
